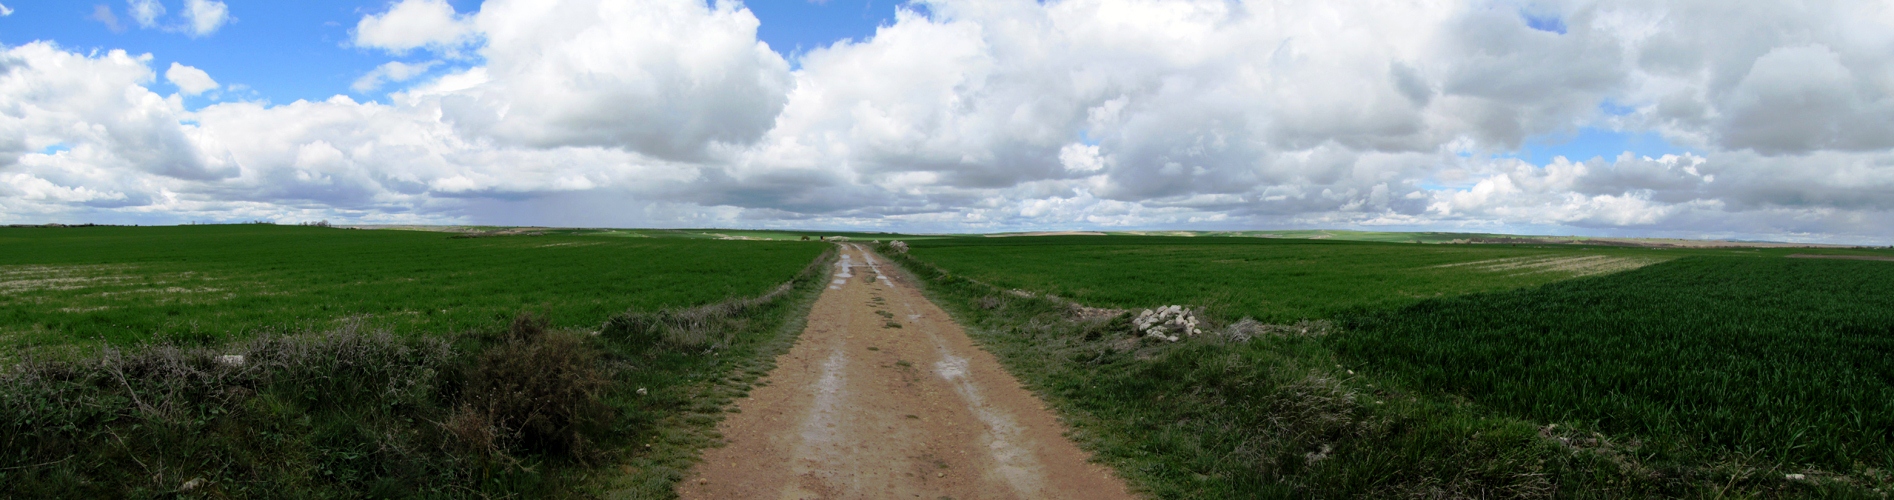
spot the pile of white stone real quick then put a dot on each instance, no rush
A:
(1169, 323)
(899, 246)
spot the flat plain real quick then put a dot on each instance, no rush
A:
(267, 361)
(211, 283)
(1403, 370)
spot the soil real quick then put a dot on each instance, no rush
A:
(883, 396)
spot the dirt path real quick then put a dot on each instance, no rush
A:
(883, 396)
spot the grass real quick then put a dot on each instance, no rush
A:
(203, 283)
(1502, 386)
(1271, 280)
(359, 406)
(1787, 360)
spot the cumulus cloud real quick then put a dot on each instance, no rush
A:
(204, 17)
(4, 11)
(191, 81)
(392, 71)
(991, 114)
(412, 24)
(667, 78)
(99, 107)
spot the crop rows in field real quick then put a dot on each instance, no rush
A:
(1787, 359)
(204, 283)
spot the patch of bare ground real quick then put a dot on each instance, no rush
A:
(1842, 257)
(1582, 265)
(884, 396)
(16, 279)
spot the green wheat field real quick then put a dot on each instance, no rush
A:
(488, 361)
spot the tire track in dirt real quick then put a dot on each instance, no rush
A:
(883, 396)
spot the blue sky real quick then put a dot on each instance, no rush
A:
(290, 50)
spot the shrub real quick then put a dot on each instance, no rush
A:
(537, 390)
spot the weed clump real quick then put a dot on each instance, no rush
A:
(326, 413)
(710, 326)
(536, 390)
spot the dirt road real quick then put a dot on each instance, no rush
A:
(883, 396)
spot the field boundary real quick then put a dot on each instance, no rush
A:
(656, 467)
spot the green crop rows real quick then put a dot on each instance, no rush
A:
(1450, 370)
(1786, 359)
(203, 283)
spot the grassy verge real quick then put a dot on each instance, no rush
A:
(715, 354)
(1258, 411)
(525, 409)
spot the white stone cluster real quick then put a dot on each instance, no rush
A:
(1168, 323)
(899, 246)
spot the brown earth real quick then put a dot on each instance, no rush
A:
(883, 396)
(1844, 257)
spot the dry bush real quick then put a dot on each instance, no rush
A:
(706, 326)
(537, 390)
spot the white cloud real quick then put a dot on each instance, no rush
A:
(990, 114)
(413, 24)
(393, 71)
(98, 106)
(205, 16)
(673, 79)
(146, 12)
(104, 16)
(4, 11)
(191, 81)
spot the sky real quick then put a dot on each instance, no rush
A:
(1686, 118)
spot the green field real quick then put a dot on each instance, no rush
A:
(384, 364)
(1449, 370)
(204, 283)
(1788, 359)
(1274, 280)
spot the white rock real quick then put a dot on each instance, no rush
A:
(230, 360)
